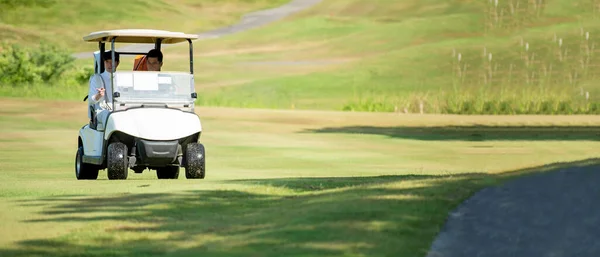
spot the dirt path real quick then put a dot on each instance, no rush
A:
(547, 215)
(248, 21)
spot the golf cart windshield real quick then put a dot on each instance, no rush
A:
(148, 87)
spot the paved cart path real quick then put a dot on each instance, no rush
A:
(554, 214)
(248, 21)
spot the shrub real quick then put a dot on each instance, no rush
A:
(26, 66)
(83, 75)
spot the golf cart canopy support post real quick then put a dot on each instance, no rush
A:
(102, 47)
(112, 79)
(191, 56)
(158, 43)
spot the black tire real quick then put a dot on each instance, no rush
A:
(168, 172)
(195, 158)
(84, 171)
(116, 159)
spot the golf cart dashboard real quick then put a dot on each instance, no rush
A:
(176, 106)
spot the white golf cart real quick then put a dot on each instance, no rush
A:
(152, 124)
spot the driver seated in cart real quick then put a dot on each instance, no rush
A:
(100, 95)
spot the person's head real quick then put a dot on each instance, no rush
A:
(154, 60)
(108, 65)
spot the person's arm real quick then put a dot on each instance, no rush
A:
(96, 92)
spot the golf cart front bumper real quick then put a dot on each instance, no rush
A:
(158, 153)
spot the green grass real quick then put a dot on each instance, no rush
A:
(403, 57)
(395, 56)
(305, 183)
(279, 183)
(55, 92)
(65, 22)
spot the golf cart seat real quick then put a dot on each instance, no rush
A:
(139, 63)
(91, 112)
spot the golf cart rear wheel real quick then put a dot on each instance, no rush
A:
(195, 161)
(168, 172)
(117, 166)
(84, 170)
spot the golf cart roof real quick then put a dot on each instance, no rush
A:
(149, 36)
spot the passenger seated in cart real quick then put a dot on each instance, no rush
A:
(152, 61)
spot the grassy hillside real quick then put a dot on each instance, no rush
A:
(384, 55)
(65, 22)
(433, 56)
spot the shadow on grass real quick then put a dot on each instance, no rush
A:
(473, 133)
(347, 216)
(325, 183)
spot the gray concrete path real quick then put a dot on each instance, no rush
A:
(556, 214)
(248, 21)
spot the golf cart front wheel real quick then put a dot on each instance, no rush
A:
(195, 161)
(84, 170)
(117, 166)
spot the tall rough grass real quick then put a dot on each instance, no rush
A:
(482, 102)
(510, 15)
(550, 74)
(532, 75)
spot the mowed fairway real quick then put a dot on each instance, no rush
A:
(279, 183)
